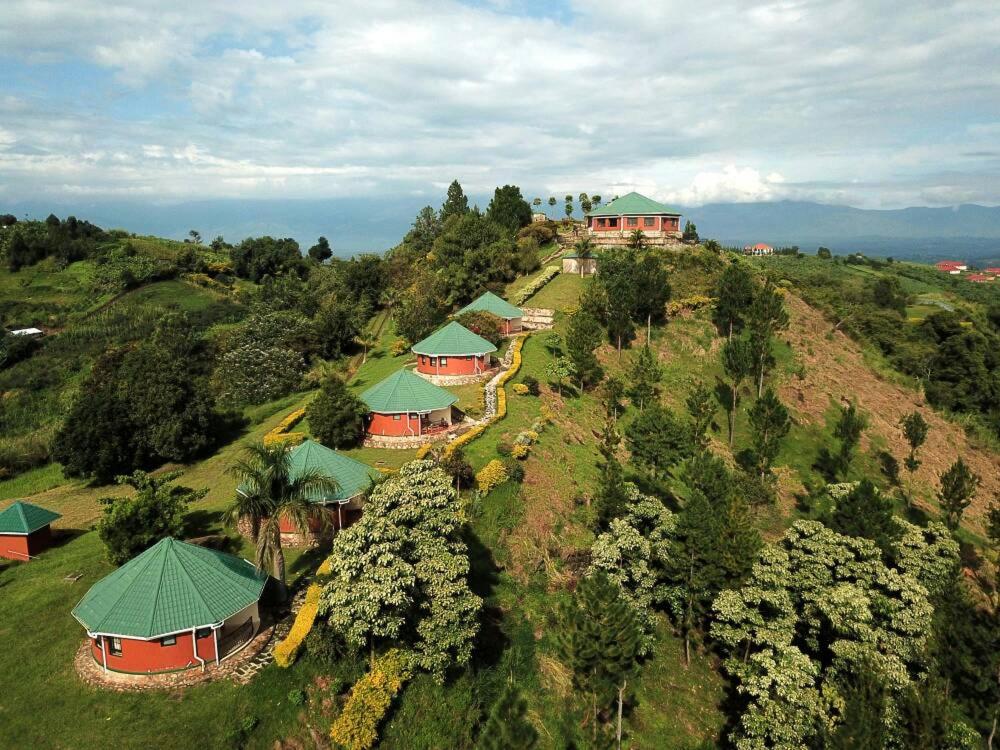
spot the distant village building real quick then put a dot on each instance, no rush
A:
(25, 530)
(953, 267)
(622, 216)
(539, 216)
(175, 606)
(453, 352)
(491, 303)
(405, 405)
(979, 278)
(759, 249)
(993, 270)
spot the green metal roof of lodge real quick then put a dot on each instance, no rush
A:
(491, 303)
(632, 204)
(25, 518)
(352, 477)
(403, 392)
(453, 340)
(171, 587)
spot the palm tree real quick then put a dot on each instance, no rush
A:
(267, 493)
(584, 248)
(637, 239)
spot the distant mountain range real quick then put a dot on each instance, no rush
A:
(967, 232)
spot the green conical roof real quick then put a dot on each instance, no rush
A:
(453, 340)
(172, 586)
(632, 204)
(489, 302)
(352, 477)
(403, 392)
(24, 518)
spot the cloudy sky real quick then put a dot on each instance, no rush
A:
(873, 103)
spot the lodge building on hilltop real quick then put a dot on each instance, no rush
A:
(622, 216)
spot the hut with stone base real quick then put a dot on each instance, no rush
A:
(25, 530)
(453, 354)
(491, 303)
(175, 606)
(405, 406)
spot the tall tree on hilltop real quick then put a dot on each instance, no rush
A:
(583, 337)
(455, 203)
(958, 486)
(599, 642)
(767, 316)
(617, 277)
(734, 294)
(737, 362)
(507, 727)
(552, 201)
(321, 251)
(508, 208)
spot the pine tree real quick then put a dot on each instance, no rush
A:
(644, 378)
(850, 426)
(958, 486)
(507, 727)
(866, 512)
(769, 424)
(617, 277)
(455, 203)
(658, 439)
(599, 641)
(863, 715)
(701, 406)
(734, 294)
(611, 497)
(915, 431)
(766, 316)
(737, 361)
(583, 337)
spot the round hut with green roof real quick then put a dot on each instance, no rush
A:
(405, 408)
(501, 308)
(453, 354)
(25, 530)
(175, 606)
(343, 504)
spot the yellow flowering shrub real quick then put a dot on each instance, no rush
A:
(325, 568)
(520, 389)
(220, 267)
(501, 403)
(422, 451)
(357, 726)
(520, 451)
(694, 302)
(491, 475)
(286, 651)
(465, 438)
(398, 347)
(547, 414)
(281, 434)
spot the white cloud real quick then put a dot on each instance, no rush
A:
(687, 101)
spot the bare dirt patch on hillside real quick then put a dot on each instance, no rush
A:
(835, 369)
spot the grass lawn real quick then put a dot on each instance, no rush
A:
(44, 705)
(174, 294)
(562, 293)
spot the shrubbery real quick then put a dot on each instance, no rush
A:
(336, 415)
(357, 726)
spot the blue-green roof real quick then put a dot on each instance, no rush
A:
(491, 303)
(171, 587)
(453, 340)
(632, 204)
(352, 477)
(403, 391)
(25, 518)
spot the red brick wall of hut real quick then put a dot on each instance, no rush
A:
(151, 656)
(466, 364)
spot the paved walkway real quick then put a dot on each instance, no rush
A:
(249, 669)
(490, 389)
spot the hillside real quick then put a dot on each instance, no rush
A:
(529, 542)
